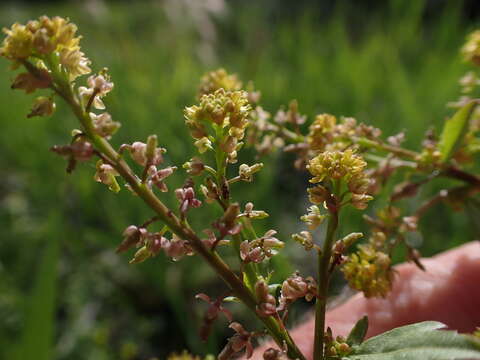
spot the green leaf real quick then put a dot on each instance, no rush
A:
(454, 130)
(358, 332)
(418, 341)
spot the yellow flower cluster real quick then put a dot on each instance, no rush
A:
(336, 348)
(227, 113)
(471, 49)
(320, 132)
(369, 270)
(326, 133)
(336, 165)
(340, 165)
(42, 37)
(219, 79)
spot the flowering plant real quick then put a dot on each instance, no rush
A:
(348, 163)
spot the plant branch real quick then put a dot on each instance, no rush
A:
(323, 282)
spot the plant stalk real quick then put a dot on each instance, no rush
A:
(323, 282)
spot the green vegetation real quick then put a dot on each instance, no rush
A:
(396, 72)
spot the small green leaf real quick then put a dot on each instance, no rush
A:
(358, 332)
(418, 341)
(454, 130)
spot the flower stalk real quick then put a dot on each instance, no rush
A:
(324, 260)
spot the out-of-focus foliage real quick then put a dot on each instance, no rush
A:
(395, 68)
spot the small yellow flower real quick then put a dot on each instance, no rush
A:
(18, 44)
(320, 132)
(219, 79)
(369, 270)
(336, 165)
(46, 36)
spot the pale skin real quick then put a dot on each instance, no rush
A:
(448, 291)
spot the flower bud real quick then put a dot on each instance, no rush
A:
(253, 214)
(43, 106)
(274, 354)
(359, 201)
(203, 145)
(313, 219)
(141, 255)
(194, 167)
(351, 238)
(246, 172)
(138, 152)
(305, 239)
(42, 42)
(318, 194)
(229, 145)
(151, 149)
(131, 237)
(295, 287)
(106, 174)
(82, 150)
(267, 304)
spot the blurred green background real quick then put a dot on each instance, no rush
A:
(64, 293)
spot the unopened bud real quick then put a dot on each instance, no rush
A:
(42, 106)
(42, 42)
(231, 213)
(131, 237)
(305, 239)
(203, 145)
(229, 145)
(194, 167)
(318, 194)
(30, 82)
(82, 150)
(245, 172)
(151, 148)
(350, 239)
(141, 255)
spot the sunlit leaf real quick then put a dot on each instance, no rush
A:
(454, 130)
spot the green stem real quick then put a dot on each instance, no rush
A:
(323, 282)
(386, 147)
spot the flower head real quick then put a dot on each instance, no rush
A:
(225, 111)
(46, 36)
(336, 165)
(369, 270)
(219, 79)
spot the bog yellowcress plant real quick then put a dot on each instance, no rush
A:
(348, 162)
